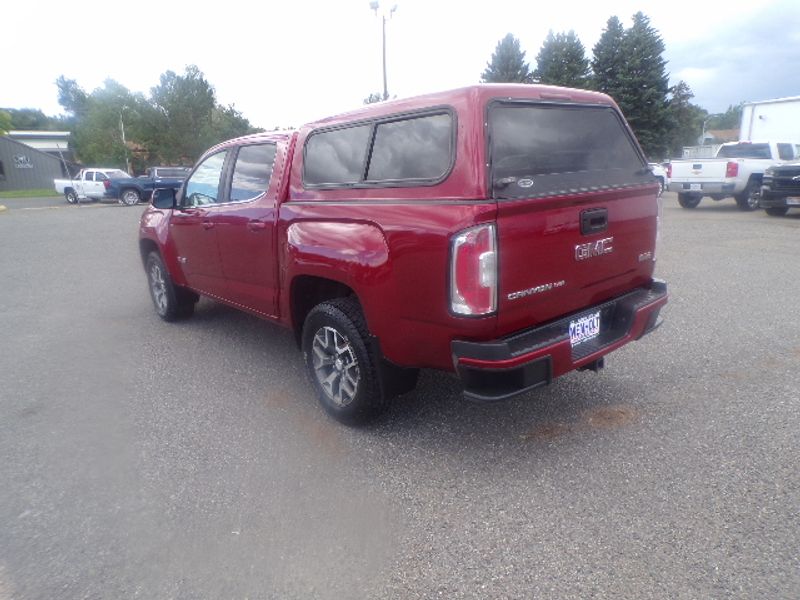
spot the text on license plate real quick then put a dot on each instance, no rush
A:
(793, 201)
(584, 328)
(695, 187)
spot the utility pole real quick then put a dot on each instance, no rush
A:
(374, 5)
(124, 145)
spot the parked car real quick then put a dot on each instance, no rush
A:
(131, 190)
(736, 172)
(88, 184)
(506, 233)
(781, 189)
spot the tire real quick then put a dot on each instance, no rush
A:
(343, 371)
(170, 301)
(130, 197)
(689, 200)
(70, 196)
(776, 211)
(750, 198)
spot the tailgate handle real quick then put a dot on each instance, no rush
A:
(594, 220)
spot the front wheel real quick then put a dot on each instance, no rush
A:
(689, 200)
(171, 302)
(130, 197)
(776, 211)
(340, 365)
(71, 197)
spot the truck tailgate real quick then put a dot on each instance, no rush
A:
(559, 256)
(699, 171)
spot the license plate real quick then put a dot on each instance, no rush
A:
(794, 201)
(584, 328)
(695, 187)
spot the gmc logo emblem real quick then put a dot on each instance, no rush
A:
(592, 249)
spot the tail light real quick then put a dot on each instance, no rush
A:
(731, 169)
(669, 171)
(473, 271)
(106, 184)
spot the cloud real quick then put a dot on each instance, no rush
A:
(751, 58)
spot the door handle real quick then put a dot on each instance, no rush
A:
(208, 224)
(256, 225)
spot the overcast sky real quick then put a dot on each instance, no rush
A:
(286, 63)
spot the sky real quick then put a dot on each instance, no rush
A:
(283, 64)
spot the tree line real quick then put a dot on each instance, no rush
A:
(628, 65)
(173, 125)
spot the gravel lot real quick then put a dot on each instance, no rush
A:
(147, 460)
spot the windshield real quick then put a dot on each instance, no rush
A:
(545, 150)
(117, 174)
(744, 151)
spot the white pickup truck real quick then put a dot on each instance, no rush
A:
(736, 172)
(87, 184)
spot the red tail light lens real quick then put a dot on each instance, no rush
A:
(473, 271)
(731, 169)
(106, 184)
(669, 171)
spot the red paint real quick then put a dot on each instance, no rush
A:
(391, 245)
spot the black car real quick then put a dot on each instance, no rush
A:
(780, 189)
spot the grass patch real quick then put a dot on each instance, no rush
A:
(45, 193)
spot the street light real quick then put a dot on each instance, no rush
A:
(375, 5)
(124, 145)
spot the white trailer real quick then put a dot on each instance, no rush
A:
(777, 119)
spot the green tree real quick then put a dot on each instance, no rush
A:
(644, 85)
(507, 64)
(5, 122)
(562, 61)
(72, 97)
(607, 59)
(182, 128)
(685, 119)
(730, 119)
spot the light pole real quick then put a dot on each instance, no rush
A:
(124, 145)
(703, 133)
(375, 5)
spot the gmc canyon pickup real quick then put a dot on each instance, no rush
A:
(737, 170)
(506, 233)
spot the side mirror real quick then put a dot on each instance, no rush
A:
(164, 198)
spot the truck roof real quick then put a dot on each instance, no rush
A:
(477, 94)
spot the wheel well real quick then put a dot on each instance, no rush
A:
(68, 189)
(146, 247)
(307, 292)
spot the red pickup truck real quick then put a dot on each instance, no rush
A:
(506, 233)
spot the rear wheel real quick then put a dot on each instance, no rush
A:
(749, 199)
(171, 302)
(340, 365)
(776, 211)
(689, 200)
(130, 197)
(70, 196)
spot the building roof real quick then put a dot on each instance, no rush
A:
(20, 134)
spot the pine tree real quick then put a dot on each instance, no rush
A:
(644, 85)
(508, 63)
(685, 119)
(562, 61)
(607, 59)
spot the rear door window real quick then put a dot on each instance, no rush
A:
(252, 171)
(785, 152)
(539, 150)
(336, 156)
(411, 149)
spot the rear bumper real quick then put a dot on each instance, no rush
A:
(706, 188)
(503, 368)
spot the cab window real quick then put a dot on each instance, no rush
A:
(202, 188)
